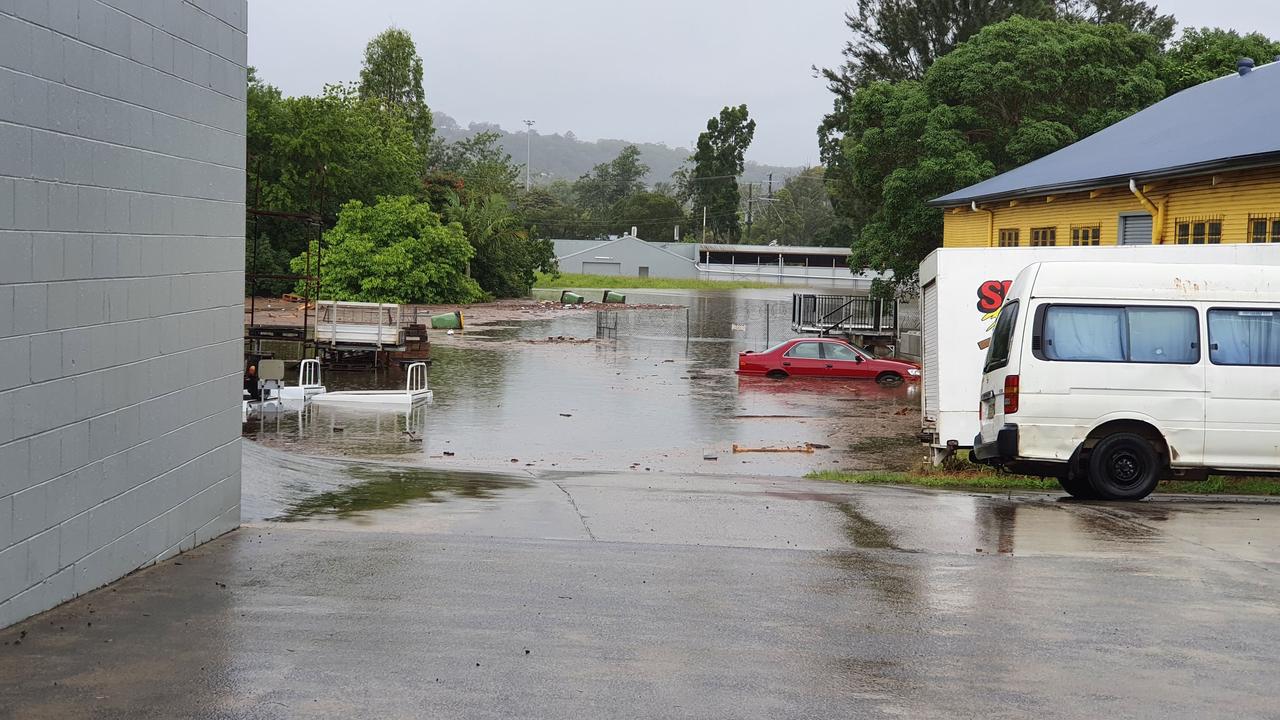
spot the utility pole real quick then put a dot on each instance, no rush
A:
(704, 224)
(750, 196)
(528, 147)
(770, 186)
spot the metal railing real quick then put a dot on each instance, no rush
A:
(842, 314)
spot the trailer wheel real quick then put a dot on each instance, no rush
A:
(1124, 466)
(776, 374)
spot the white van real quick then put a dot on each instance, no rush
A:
(1112, 376)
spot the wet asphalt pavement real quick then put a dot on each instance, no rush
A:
(395, 592)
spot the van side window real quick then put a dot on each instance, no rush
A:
(1002, 337)
(1140, 334)
(1244, 337)
(1163, 335)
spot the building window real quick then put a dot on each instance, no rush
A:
(1044, 237)
(1008, 238)
(1198, 231)
(1086, 234)
(1264, 228)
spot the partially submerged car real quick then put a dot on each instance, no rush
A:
(825, 357)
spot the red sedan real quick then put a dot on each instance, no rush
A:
(825, 357)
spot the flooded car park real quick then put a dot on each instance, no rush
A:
(657, 391)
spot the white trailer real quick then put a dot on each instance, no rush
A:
(961, 292)
(359, 325)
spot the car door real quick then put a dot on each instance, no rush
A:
(843, 361)
(1242, 425)
(804, 359)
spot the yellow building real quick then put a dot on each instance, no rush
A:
(1200, 167)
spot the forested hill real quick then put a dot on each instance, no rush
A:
(565, 157)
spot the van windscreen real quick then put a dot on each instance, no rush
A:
(1002, 337)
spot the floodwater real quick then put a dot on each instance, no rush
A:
(643, 390)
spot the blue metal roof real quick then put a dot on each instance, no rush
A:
(1227, 122)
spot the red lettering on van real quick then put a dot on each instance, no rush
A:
(991, 294)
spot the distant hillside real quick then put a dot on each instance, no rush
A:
(565, 157)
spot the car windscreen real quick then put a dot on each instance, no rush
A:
(1002, 337)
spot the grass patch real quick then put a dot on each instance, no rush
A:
(994, 482)
(939, 479)
(1224, 486)
(571, 281)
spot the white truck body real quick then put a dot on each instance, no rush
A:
(961, 291)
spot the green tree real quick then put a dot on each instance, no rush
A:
(905, 148)
(1203, 54)
(1134, 15)
(310, 155)
(477, 165)
(392, 75)
(895, 40)
(609, 183)
(799, 213)
(717, 162)
(654, 215)
(1024, 88)
(900, 40)
(550, 212)
(1014, 92)
(397, 251)
(507, 259)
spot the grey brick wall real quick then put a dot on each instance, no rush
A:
(122, 150)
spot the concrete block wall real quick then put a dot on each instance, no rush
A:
(122, 151)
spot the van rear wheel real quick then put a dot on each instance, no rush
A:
(1124, 466)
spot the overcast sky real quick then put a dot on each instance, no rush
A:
(642, 71)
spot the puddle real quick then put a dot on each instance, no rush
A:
(380, 489)
(658, 393)
(281, 486)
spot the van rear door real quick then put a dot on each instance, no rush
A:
(1001, 364)
(1242, 422)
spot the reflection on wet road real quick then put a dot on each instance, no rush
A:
(659, 395)
(392, 591)
(734, 510)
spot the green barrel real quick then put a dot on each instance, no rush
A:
(571, 298)
(447, 321)
(614, 297)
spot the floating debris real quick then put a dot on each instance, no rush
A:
(805, 448)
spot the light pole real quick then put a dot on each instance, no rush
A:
(528, 145)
